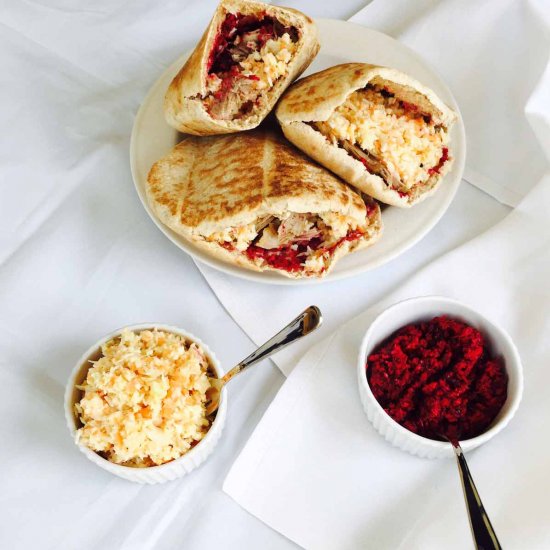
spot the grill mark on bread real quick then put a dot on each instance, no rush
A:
(273, 180)
(244, 173)
(190, 186)
(268, 162)
(298, 110)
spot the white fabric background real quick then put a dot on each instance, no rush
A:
(317, 471)
(79, 257)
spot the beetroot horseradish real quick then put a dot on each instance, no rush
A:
(248, 31)
(249, 54)
(292, 257)
(438, 378)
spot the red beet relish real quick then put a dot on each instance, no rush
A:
(438, 379)
(444, 158)
(227, 82)
(237, 24)
(372, 207)
(292, 257)
(409, 106)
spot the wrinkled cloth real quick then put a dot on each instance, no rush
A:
(316, 470)
(79, 258)
(493, 54)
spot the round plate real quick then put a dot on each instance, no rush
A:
(341, 42)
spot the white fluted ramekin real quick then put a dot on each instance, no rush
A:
(153, 474)
(422, 309)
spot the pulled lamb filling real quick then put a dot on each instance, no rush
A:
(391, 137)
(249, 55)
(299, 242)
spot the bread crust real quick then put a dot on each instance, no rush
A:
(183, 103)
(314, 99)
(206, 185)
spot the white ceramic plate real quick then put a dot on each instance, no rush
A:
(341, 42)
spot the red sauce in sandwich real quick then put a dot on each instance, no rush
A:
(409, 106)
(236, 24)
(351, 236)
(292, 257)
(444, 158)
(231, 26)
(227, 82)
(284, 257)
(366, 164)
(372, 207)
(438, 378)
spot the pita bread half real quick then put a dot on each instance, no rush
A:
(185, 108)
(309, 103)
(255, 201)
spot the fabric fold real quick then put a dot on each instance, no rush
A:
(317, 471)
(493, 55)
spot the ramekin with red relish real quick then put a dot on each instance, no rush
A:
(432, 369)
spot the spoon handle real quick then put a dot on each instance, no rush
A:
(484, 535)
(305, 323)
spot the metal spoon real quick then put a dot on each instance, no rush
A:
(483, 533)
(305, 323)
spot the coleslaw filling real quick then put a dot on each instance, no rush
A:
(249, 55)
(295, 242)
(391, 137)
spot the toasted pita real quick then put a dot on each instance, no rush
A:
(205, 186)
(314, 98)
(183, 106)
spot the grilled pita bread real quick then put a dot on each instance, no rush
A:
(335, 117)
(254, 200)
(207, 97)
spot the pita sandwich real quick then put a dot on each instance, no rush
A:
(377, 128)
(248, 56)
(255, 201)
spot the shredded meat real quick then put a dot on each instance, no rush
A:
(392, 138)
(295, 242)
(372, 164)
(237, 102)
(298, 227)
(269, 238)
(232, 93)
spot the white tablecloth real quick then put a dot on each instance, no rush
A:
(317, 471)
(79, 257)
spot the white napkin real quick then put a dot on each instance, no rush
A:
(315, 469)
(493, 54)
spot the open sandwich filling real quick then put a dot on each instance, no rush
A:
(394, 139)
(250, 54)
(294, 242)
